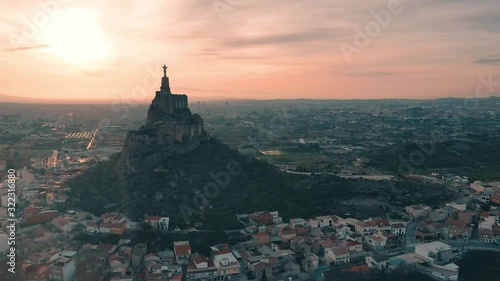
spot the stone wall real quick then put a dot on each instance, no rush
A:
(179, 131)
(171, 103)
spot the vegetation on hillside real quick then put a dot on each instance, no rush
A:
(209, 185)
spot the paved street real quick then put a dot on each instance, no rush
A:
(411, 232)
(472, 245)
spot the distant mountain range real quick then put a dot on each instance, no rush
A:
(12, 99)
(30, 100)
(27, 100)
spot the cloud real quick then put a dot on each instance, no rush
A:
(374, 73)
(283, 48)
(27, 48)
(487, 20)
(280, 39)
(487, 61)
(366, 73)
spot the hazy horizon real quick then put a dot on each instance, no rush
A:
(145, 102)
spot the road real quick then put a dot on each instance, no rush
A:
(93, 138)
(366, 177)
(411, 241)
(184, 231)
(463, 245)
(411, 232)
(472, 245)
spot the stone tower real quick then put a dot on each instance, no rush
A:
(170, 129)
(170, 117)
(167, 102)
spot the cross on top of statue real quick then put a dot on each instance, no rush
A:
(164, 71)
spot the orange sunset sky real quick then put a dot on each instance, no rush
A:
(240, 49)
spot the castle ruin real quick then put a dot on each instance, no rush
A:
(169, 121)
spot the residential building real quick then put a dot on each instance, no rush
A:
(353, 246)
(156, 272)
(182, 251)
(287, 234)
(377, 261)
(495, 199)
(63, 269)
(477, 186)
(41, 217)
(398, 228)
(201, 268)
(376, 242)
(262, 238)
(106, 228)
(436, 252)
(456, 228)
(381, 224)
(294, 223)
(4, 239)
(226, 263)
(417, 211)
(159, 223)
(64, 224)
(337, 255)
(361, 228)
(310, 262)
(37, 272)
(447, 272)
(138, 254)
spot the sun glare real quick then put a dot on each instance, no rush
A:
(74, 35)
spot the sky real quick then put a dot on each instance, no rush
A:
(248, 49)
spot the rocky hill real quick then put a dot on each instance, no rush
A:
(170, 166)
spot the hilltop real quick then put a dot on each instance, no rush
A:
(171, 166)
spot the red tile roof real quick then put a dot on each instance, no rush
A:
(340, 251)
(381, 222)
(302, 230)
(222, 252)
(182, 250)
(398, 225)
(106, 247)
(289, 231)
(31, 210)
(177, 277)
(370, 223)
(106, 215)
(326, 243)
(151, 255)
(351, 243)
(357, 268)
(455, 223)
(262, 265)
(198, 260)
(37, 268)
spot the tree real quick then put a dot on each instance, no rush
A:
(485, 207)
(264, 275)
(146, 226)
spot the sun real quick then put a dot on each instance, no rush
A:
(74, 35)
